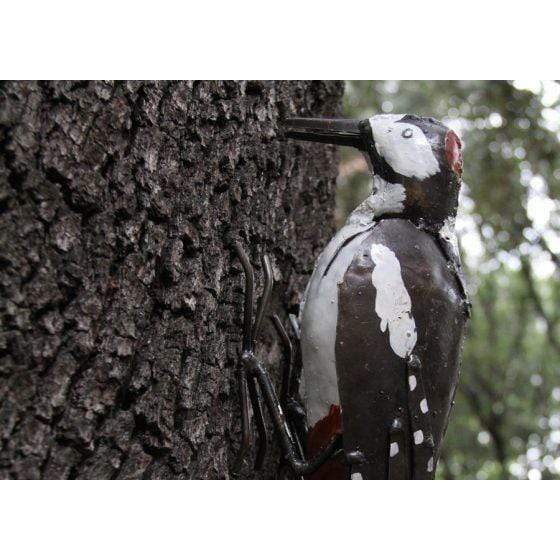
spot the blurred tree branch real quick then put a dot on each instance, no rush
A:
(538, 304)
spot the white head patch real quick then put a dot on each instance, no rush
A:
(392, 301)
(403, 146)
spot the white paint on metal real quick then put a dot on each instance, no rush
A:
(403, 146)
(319, 319)
(430, 466)
(448, 233)
(386, 198)
(418, 437)
(412, 382)
(393, 449)
(392, 301)
(354, 225)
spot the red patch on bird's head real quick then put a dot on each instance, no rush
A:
(453, 152)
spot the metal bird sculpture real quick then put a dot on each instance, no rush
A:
(381, 324)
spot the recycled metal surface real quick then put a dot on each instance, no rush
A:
(382, 321)
(374, 388)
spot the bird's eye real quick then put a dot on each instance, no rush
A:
(407, 133)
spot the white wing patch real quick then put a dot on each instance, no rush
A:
(392, 301)
(403, 146)
(319, 320)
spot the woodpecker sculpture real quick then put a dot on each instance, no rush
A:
(382, 321)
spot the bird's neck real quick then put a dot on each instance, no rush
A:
(385, 199)
(391, 200)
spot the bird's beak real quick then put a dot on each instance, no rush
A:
(342, 132)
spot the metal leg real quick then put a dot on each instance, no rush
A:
(285, 391)
(294, 324)
(297, 358)
(249, 296)
(245, 424)
(296, 411)
(290, 385)
(287, 441)
(254, 369)
(249, 388)
(243, 389)
(261, 426)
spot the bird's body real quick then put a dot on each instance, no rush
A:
(355, 342)
(383, 317)
(387, 289)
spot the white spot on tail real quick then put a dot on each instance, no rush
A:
(394, 449)
(403, 146)
(418, 437)
(412, 382)
(357, 476)
(392, 302)
(424, 406)
(430, 466)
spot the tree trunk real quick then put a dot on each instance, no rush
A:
(121, 300)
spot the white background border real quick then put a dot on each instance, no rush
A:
(237, 39)
(278, 520)
(281, 40)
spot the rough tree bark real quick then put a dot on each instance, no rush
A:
(120, 299)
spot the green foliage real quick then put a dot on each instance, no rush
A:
(506, 422)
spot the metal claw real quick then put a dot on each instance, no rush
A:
(288, 359)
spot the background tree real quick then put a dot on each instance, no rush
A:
(120, 299)
(506, 422)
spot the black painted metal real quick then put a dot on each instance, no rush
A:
(253, 369)
(373, 380)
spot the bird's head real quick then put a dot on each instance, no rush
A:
(417, 154)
